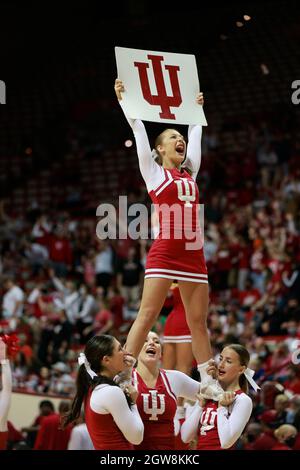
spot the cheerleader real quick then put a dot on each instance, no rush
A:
(177, 253)
(219, 424)
(159, 390)
(111, 416)
(177, 339)
(5, 394)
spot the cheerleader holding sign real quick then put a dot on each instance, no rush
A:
(170, 173)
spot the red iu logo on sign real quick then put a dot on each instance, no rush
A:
(161, 99)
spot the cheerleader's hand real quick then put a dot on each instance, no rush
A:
(124, 377)
(227, 399)
(212, 369)
(200, 99)
(202, 400)
(129, 360)
(119, 88)
(132, 392)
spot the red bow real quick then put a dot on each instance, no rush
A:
(12, 346)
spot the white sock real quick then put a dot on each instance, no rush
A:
(204, 376)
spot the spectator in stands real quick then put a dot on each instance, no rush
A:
(37, 256)
(70, 297)
(80, 438)
(293, 411)
(271, 319)
(293, 330)
(292, 383)
(89, 274)
(50, 435)
(265, 440)
(116, 306)
(224, 264)
(44, 380)
(104, 264)
(281, 405)
(292, 282)
(13, 301)
(252, 432)
(243, 265)
(248, 296)
(60, 252)
(285, 436)
(88, 308)
(267, 159)
(262, 351)
(55, 336)
(46, 408)
(231, 325)
(25, 349)
(258, 268)
(61, 382)
(129, 279)
(102, 324)
(41, 230)
(280, 362)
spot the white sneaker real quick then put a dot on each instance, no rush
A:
(211, 389)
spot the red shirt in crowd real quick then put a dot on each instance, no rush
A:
(60, 250)
(265, 442)
(50, 436)
(249, 297)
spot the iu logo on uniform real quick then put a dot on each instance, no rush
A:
(208, 420)
(161, 99)
(186, 191)
(154, 404)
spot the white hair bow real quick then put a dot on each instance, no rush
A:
(249, 376)
(83, 360)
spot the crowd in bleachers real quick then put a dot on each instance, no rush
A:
(60, 284)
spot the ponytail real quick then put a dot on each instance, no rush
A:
(243, 383)
(84, 383)
(96, 348)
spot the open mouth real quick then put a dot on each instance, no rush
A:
(180, 148)
(151, 351)
(221, 373)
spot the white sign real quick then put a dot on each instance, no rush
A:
(160, 86)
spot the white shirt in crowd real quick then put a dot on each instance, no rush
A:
(10, 300)
(70, 301)
(80, 438)
(104, 261)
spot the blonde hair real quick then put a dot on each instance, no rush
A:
(284, 432)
